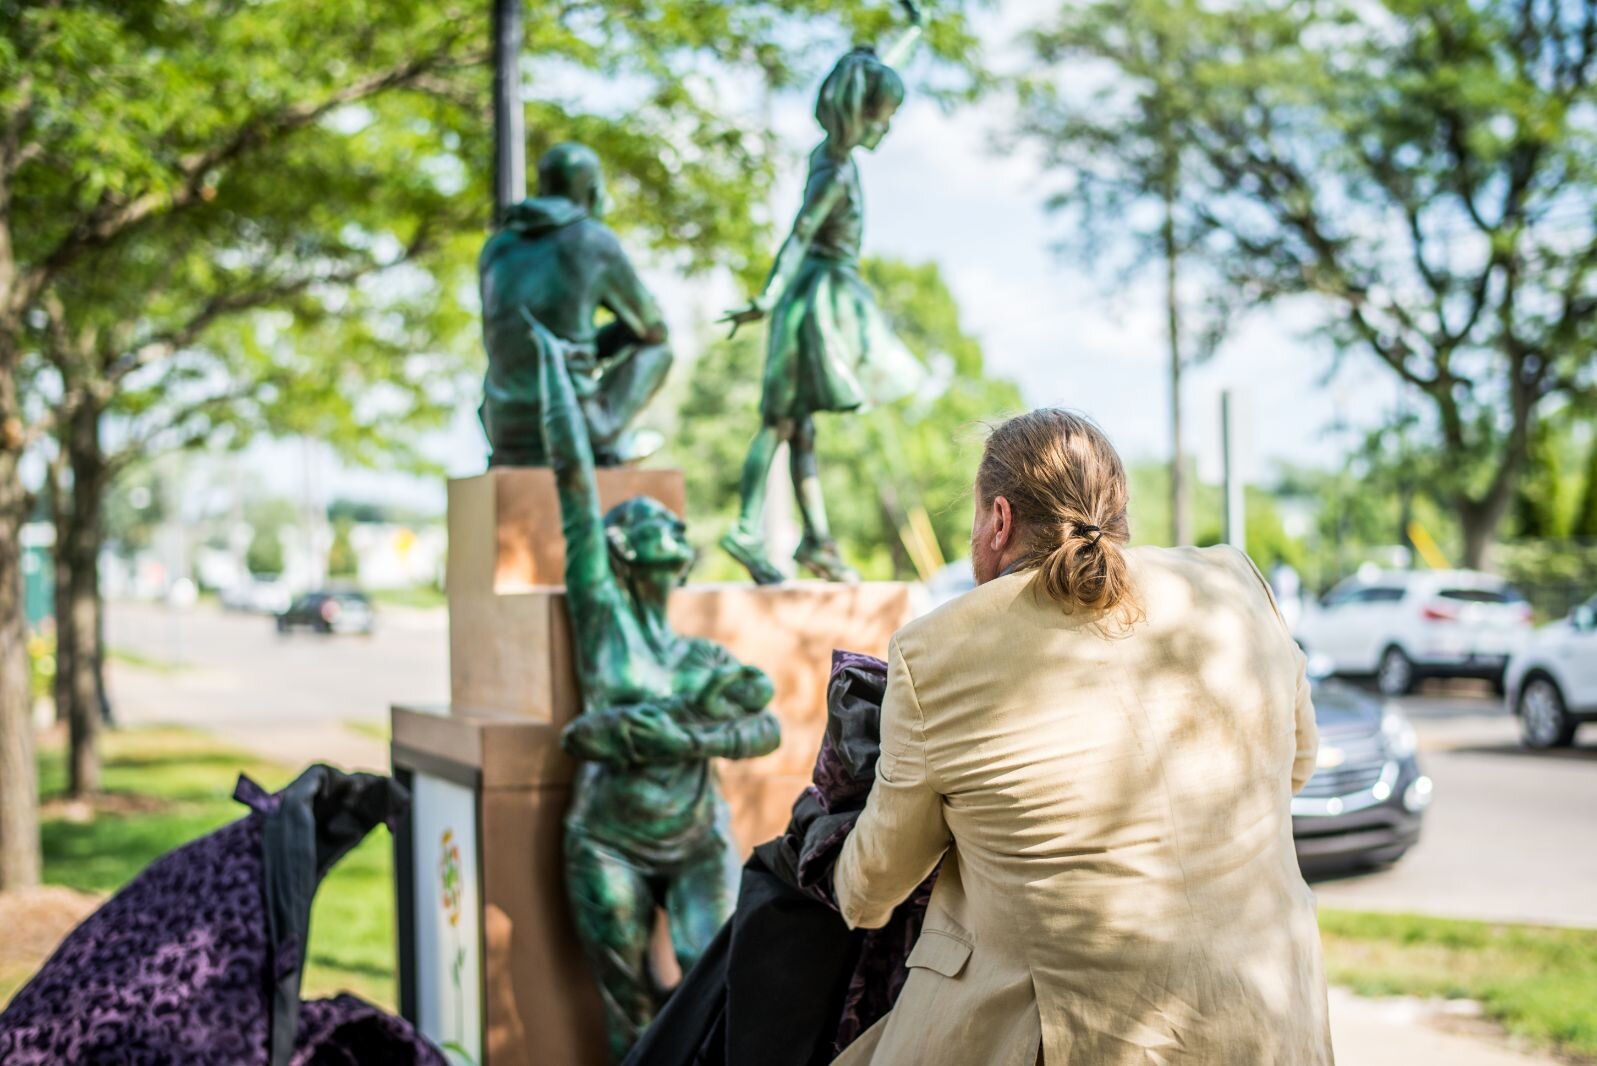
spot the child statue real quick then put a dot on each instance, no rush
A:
(829, 347)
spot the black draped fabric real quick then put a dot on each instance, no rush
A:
(198, 959)
(786, 983)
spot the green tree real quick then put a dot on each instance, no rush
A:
(212, 191)
(1423, 170)
(341, 558)
(1585, 524)
(264, 556)
(1122, 156)
(1538, 511)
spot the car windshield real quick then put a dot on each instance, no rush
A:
(1502, 595)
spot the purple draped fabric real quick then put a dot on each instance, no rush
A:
(178, 968)
(824, 816)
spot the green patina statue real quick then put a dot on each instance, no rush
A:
(829, 348)
(553, 257)
(648, 828)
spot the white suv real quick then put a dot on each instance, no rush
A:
(1552, 680)
(1402, 625)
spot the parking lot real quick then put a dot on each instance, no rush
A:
(1509, 836)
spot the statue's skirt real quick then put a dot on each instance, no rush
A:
(831, 348)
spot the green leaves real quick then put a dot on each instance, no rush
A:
(1422, 171)
(263, 217)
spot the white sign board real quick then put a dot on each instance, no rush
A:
(448, 903)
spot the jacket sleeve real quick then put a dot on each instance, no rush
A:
(901, 834)
(1307, 752)
(1308, 733)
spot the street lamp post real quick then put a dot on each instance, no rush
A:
(510, 158)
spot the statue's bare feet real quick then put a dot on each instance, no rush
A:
(821, 558)
(749, 550)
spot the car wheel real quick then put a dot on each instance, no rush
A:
(1395, 675)
(1544, 721)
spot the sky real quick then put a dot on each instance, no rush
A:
(937, 189)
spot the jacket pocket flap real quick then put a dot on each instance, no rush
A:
(939, 952)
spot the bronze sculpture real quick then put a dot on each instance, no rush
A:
(828, 347)
(648, 827)
(553, 257)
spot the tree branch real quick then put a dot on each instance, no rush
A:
(264, 293)
(111, 218)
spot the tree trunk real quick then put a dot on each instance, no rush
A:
(61, 513)
(1180, 531)
(79, 553)
(1479, 520)
(19, 795)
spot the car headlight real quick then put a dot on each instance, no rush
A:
(1401, 741)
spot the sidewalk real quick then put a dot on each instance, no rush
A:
(1404, 1032)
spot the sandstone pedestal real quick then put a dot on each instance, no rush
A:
(492, 784)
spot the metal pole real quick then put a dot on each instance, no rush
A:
(1236, 527)
(510, 151)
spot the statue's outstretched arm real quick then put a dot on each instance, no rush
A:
(897, 53)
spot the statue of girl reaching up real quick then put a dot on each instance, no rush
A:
(829, 347)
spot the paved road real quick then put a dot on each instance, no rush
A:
(287, 697)
(1509, 838)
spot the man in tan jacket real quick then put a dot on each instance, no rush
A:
(1104, 744)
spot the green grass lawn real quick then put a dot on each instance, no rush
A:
(168, 786)
(415, 596)
(1539, 982)
(144, 662)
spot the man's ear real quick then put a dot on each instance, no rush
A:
(1003, 523)
(620, 544)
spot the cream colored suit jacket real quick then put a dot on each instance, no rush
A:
(1120, 885)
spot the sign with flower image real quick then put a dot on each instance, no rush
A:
(448, 919)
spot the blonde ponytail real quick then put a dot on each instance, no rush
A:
(1066, 486)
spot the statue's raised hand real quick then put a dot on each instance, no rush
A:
(753, 311)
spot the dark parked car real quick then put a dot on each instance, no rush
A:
(1367, 798)
(329, 612)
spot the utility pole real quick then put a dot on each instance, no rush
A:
(510, 137)
(1180, 528)
(1236, 526)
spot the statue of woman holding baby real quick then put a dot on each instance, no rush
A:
(648, 828)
